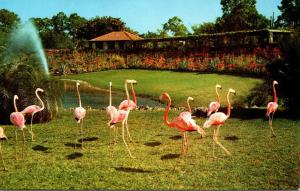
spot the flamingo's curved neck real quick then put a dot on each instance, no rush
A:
(133, 93)
(166, 117)
(274, 91)
(15, 105)
(228, 105)
(37, 95)
(126, 90)
(189, 107)
(218, 96)
(110, 96)
(79, 99)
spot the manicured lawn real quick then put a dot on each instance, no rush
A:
(257, 161)
(179, 85)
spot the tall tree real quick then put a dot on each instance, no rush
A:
(240, 15)
(99, 26)
(75, 22)
(8, 20)
(175, 26)
(59, 22)
(290, 14)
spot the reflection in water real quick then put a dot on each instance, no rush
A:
(98, 98)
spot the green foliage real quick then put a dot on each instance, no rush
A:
(240, 15)
(206, 27)
(286, 71)
(290, 16)
(8, 20)
(175, 26)
(258, 162)
(99, 26)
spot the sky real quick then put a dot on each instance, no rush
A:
(139, 15)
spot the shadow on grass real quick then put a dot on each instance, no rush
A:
(73, 145)
(40, 148)
(74, 156)
(170, 156)
(135, 170)
(176, 137)
(88, 139)
(232, 138)
(152, 144)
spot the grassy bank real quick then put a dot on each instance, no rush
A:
(179, 85)
(51, 162)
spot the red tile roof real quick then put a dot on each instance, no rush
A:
(117, 36)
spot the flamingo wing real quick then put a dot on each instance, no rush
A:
(213, 107)
(271, 107)
(31, 109)
(217, 118)
(17, 119)
(125, 105)
(111, 110)
(79, 113)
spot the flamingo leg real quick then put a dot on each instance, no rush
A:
(271, 124)
(214, 135)
(116, 134)
(31, 132)
(81, 133)
(23, 146)
(126, 125)
(16, 133)
(186, 142)
(123, 136)
(1, 155)
(128, 134)
(216, 140)
(183, 143)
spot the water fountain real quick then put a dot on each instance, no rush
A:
(25, 38)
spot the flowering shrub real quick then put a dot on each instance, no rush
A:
(234, 61)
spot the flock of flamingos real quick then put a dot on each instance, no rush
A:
(184, 122)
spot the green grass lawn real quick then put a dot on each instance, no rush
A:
(179, 85)
(257, 161)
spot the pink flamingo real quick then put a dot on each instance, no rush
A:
(183, 123)
(215, 105)
(33, 109)
(17, 118)
(111, 110)
(2, 136)
(271, 108)
(79, 113)
(129, 104)
(121, 116)
(217, 119)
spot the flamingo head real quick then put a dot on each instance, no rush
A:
(110, 84)
(39, 90)
(232, 91)
(218, 86)
(275, 82)
(77, 84)
(164, 96)
(190, 98)
(16, 97)
(131, 81)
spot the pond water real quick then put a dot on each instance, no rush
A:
(96, 98)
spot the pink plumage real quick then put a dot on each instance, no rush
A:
(17, 118)
(213, 107)
(111, 110)
(79, 113)
(125, 106)
(118, 116)
(183, 123)
(271, 108)
(129, 104)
